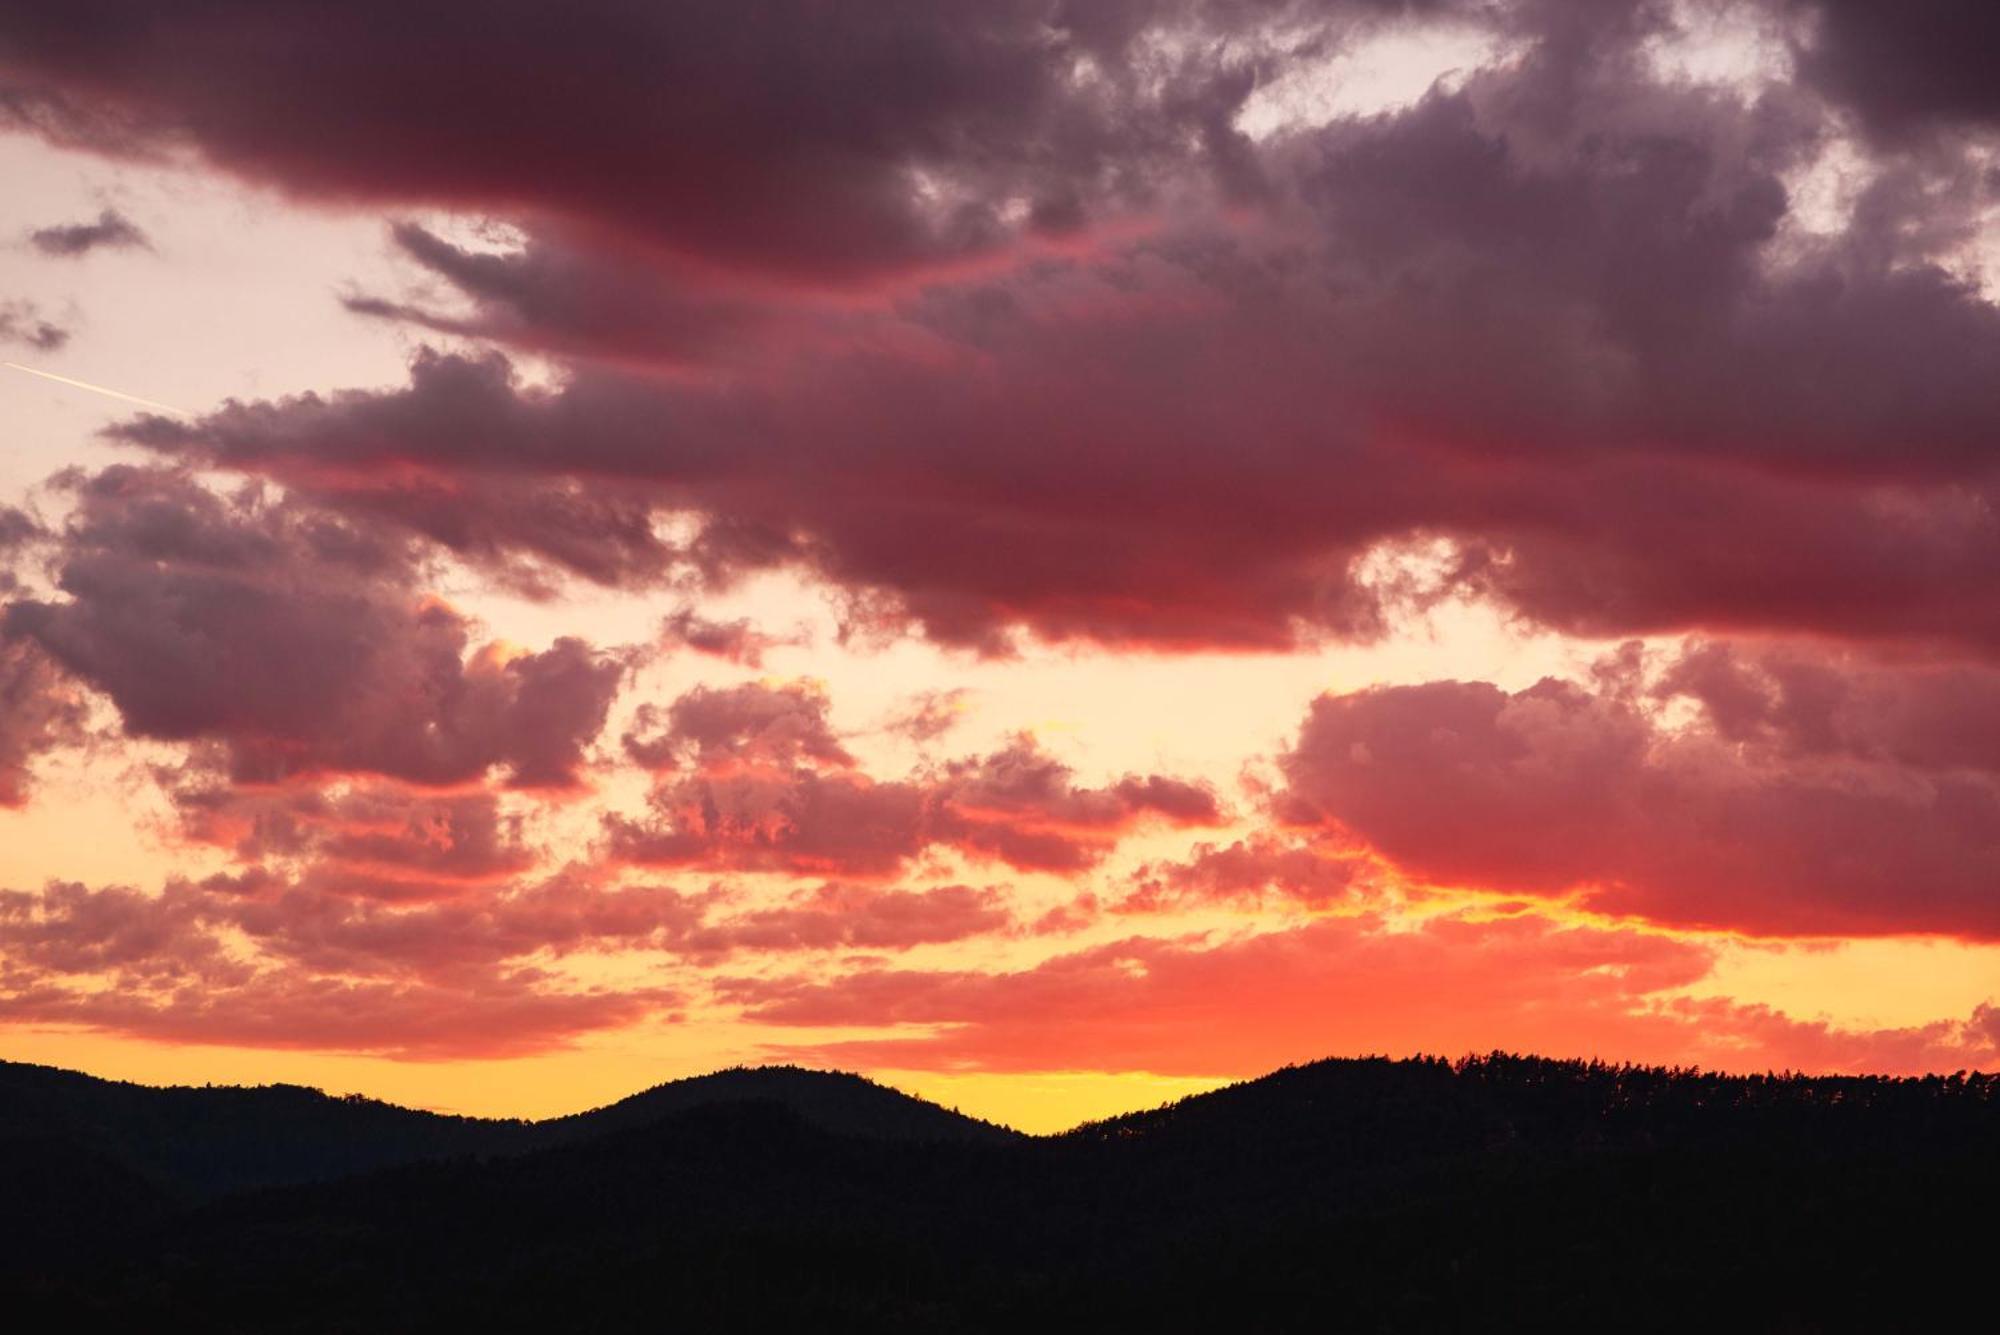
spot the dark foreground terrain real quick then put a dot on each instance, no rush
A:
(1491, 1194)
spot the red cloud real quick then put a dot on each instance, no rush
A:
(1336, 985)
(430, 982)
(409, 978)
(1261, 868)
(859, 917)
(504, 1016)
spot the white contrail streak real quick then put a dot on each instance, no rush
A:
(98, 389)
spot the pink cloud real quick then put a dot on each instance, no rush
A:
(249, 959)
(1730, 822)
(298, 641)
(753, 777)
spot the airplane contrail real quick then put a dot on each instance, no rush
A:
(98, 389)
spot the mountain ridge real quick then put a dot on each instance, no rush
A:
(1490, 1193)
(197, 1141)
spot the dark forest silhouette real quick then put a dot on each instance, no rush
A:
(1498, 1192)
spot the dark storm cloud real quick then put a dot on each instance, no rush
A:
(1910, 65)
(823, 142)
(1563, 317)
(588, 301)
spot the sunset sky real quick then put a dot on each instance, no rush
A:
(1056, 554)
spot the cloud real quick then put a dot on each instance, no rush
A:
(814, 144)
(800, 821)
(1917, 66)
(1023, 806)
(1809, 703)
(589, 300)
(1241, 1006)
(39, 710)
(992, 320)
(1264, 868)
(519, 525)
(18, 528)
(70, 929)
(425, 983)
(859, 917)
(753, 778)
(374, 841)
(111, 231)
(713, 727)
(737, 641)
(22, 322)
(929, 715)
(1566, 319)
(1790, 826)
(18, 532)
(506, 1016)
(253, 959)
(297, 641)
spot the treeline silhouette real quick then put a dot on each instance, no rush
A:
(1492, 1193)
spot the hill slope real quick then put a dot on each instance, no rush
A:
(1503, 1193)
(201, 1141)
(830, 1100)
(198, 1142)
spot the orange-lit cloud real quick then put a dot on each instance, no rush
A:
(1240, 1007)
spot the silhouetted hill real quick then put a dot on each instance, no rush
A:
(55, 1194)
(1377, 1109)
(1496, 1194)
(831, 1100)
(199, 1142)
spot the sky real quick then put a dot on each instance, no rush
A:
(1056, 554)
